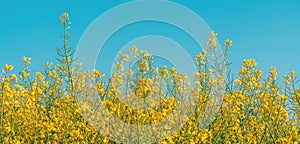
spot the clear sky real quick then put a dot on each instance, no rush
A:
(266, 30)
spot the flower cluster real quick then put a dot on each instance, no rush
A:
(51, 106)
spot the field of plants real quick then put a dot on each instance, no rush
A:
(48, 106)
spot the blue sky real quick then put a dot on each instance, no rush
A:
(268, 31)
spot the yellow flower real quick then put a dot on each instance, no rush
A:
(173, 70)
(212, 34)
(65, 14)
(26, 59)
(228, 43)
(273, 73)
(292, 73)
(134, 49)
(204, 51)
(97, 73)
(8, 67)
